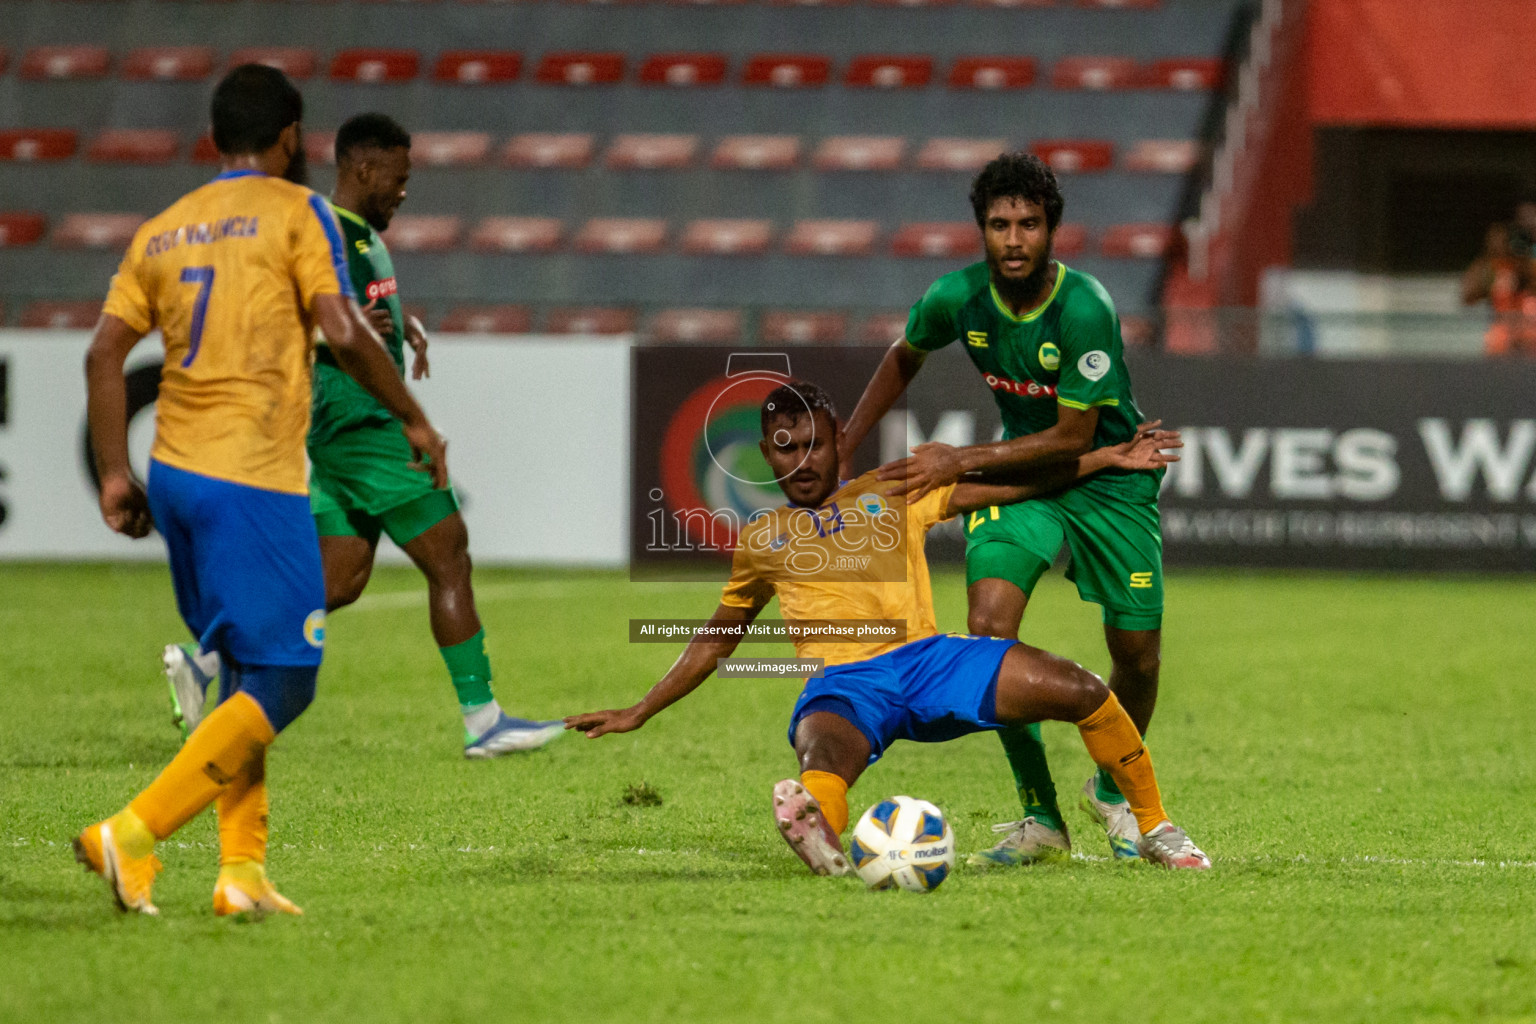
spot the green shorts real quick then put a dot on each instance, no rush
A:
(361, 483)
(1116, 549)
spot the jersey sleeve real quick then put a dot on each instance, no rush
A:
(746, 588)
(128, 298)
(931, 509)
(931, 324)
(319, 255)
(1090, 346)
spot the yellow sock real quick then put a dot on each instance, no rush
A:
(242, 809)
(1115, 745)
(832, 793)
(212, 757)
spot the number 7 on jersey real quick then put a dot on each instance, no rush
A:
(203, 278)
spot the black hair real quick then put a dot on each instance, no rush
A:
(1017, 176)
(793, 400)
(251, 107)
(370, 131)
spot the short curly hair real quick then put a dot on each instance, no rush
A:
(1017, 176)
(792, 400)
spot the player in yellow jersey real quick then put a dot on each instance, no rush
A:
(854, 551)
(235, 275)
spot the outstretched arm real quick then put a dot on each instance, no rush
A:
(891, 378)
(1151, 448)
(718, 640)
(934, 465)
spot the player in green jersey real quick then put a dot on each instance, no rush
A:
(1046, 339)
(364, 477)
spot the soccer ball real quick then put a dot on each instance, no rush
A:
(903, 841)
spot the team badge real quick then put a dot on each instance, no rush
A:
(1050, 357)
(872, 503)
(314, 628)
(1094, 365)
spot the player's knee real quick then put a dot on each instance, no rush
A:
(992, 622)
(283, 691)
(1087, 691)
(340, 593)
(1142, 662)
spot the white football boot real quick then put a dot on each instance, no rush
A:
(1116, 819)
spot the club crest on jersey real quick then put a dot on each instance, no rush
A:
(976, 339)
(872, 504)
(314, 628)
(382, 289)
(1050, 357)
(1094, 365)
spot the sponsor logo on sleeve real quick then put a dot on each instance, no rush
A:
(1094, 365)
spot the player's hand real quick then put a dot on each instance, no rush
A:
(929, 467)
(416, 337)
(124, 506)
(430, 450)
(844, 455)
(1151, 448)
(600, 723)
(379, 317)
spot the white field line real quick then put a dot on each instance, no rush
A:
(534, 590)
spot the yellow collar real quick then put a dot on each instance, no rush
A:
(1034, 314)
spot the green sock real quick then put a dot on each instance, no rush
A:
(470, 670)
(1026, 756)
(1105, 789)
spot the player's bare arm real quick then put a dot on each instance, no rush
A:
(934, 465)
(896, 370)
(123, 505)
(416, 337)
(1152, 448)
(692, 667)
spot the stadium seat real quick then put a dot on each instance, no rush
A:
(1162, 156)
(787, 70)
(5, 60)
(133, 146)
(875, 71)
(912, 3)
(580, 68)
(374, 65)
(1095, 73)
(502, 319)
(450, 149)
(789, 327)
(958, 154)
(1187, 74)
(294, 61)
(1114, 4)
(683, 69)
(621, 235)
(811, 3)
(64, 62)
(96, 230)
(883, 328)
(416, 232)
(589, 320)
(517, 234)
(1075, 155)
(1071, 241)
(859, 153)
(62, 316)
(727, 237)
(756, 153)
(28, 144)
(695, 326)
(947, 239)
(320, 147)
(569, 151)
(168, 64)
(1137, 331)
(1013, 3)
(477, 67)
(21, 227)
(645, 152)
(832, 238)
(992, 73)
(1136, 241)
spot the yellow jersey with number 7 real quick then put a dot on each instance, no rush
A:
(229, 274)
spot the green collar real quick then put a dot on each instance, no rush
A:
(1034, 314)
(354, 218)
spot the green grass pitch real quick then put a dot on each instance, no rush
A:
(1355, 754)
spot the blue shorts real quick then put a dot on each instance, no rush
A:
(929, 691)
(245, 563)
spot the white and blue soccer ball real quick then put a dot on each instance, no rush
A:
(903, 842)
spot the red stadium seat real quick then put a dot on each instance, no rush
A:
(1137, 331)
(62, 316)
(1111, 4)
(787, 70)
(133, 146)
(859, 153)
(5, 60)
(64, 62)
(1013, 3)
(958, 154)
(569, 151)
(1187, 74)
(683, 69)
(789, 327)
(203, 151)
(589, 320)
(947, 239)
(874, 71)
(517, 234)
(450, 149)
(1071, 241)
(1162, 156)
(642, 152)
(727, 237)
(27, 144)
(1095, 73)
(320, 147)
(478, 67)
(756, 153)
(580, 68)
(811, 3)
(832, 238)
(375, 65)
(168, 64)
(502, 319)
(696, 326)
(912, 3)
(294, 61)
(1075, 155)
(96, 230)
(1137, 241)
(992, 73)
(621, 235)
(417, 232)
(883, 328)
(21, 227)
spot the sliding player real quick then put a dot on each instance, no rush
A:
(855, 552)
(361, 481)
(233, 274)
(1047, 342)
